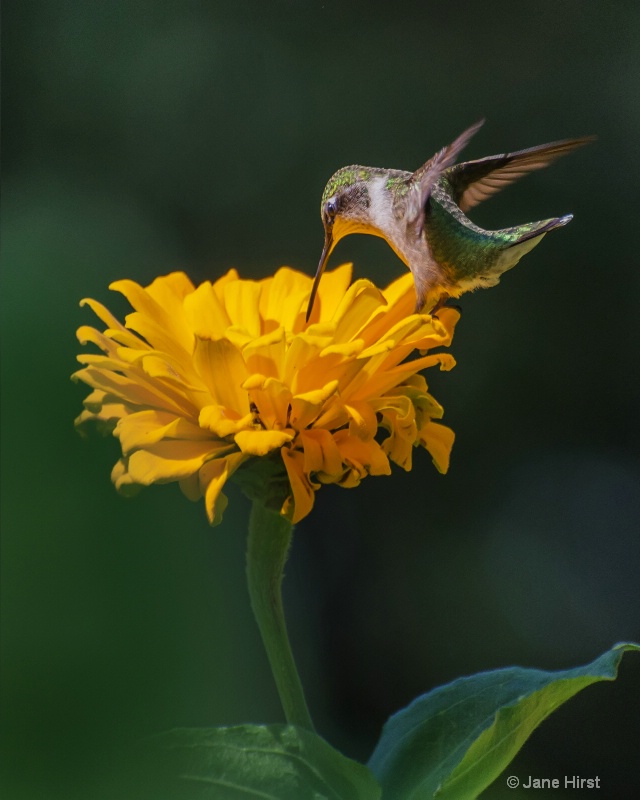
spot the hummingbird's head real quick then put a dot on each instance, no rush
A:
(344, 209)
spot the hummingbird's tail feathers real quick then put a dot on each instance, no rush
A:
(425, 177)
(513, 243)
(535, 229)
(474, 181)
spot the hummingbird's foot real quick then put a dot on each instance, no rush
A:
(440, 304)
(443, 303)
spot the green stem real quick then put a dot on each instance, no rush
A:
(267, 550)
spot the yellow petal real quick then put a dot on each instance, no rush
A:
(163, 367)
(306, 407)
(300, 503)
(438, 332)
(350, 478)
(271, 400)
(321, 453)
(399, 407)
(157, 333)
(333, 417)
(401, 294)
(321, 371)
(88, 335)
(147, 427)
(283, 298)
(133, 388)
(391, 335)
(364, 423)
(378, 363)
(190, 487)
(366, 457)
(103, 313)
(416, 382)
(259, 442)
(170, 290)
(356, 308)
(242, 301)
(239, 337)
(219, 286)
(398, 416)
(332, 289)
(103, 362)
(172, 460)
(379, 382)
(221, 366)
(344, 349)
(94, 401)
(266, 354)
(302, 352)
(122, 480)
(379, 347)
(438, 440)
(400, 451)
(321, 332)
(104, 412)
(213, 476)
(163, 327)
(224, 422)
(426, 407)
(205, 315)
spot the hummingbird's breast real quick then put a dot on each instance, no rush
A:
(386, 212)
(465, 252)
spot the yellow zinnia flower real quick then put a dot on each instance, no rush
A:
(205, 382)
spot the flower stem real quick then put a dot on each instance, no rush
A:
(267, 550)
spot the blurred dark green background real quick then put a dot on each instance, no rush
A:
(142, 137)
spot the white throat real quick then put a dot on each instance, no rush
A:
(382, 217)
(380, 207)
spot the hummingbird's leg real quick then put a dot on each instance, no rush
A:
(420, 301)
(439, 304)
(423, 284)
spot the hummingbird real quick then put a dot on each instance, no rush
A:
(422, 216)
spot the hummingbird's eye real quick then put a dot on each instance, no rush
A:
(331, 208)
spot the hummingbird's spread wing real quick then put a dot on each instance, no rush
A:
(475, 181)
(423, 179)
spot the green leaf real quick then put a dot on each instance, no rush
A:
(454, 741)
(261, 762)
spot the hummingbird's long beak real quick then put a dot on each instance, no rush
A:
(326, 252)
